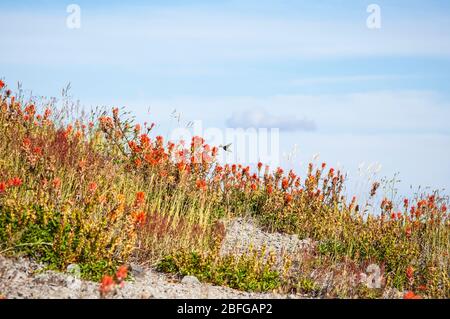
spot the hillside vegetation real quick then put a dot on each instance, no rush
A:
(101, 192)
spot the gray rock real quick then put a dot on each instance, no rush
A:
(190, 280)
(136, 270)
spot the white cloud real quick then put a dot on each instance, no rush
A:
(365, 112)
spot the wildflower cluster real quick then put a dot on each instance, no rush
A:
(98, 192)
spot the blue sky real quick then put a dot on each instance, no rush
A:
(374, 96)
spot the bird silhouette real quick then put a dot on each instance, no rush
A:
(226, 148)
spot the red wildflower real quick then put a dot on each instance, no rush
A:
(47, 113)
(269, 189)
(206, 158)
(30, 109)
(2, 84)
(422, 288)
(288, 198)
(26, 143)
(37, 151)
(260, 166)
(201, 184)
(69, 130)
(410, 273)
(411, 295)
(139, 218)
(56, 183)
(138, 162)
(331, 172)
(444, 208)
(145, 140)
(122, 273)
(106, 285)
(2, 187)
(15, 182)
(279, 171)
(285, 183)
(92, 187)
(406, 203)
(140, 198)
(253, 187)
(408, 231)
(181, 166)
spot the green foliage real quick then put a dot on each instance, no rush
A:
(50, 243)
(307, 285)
(244, 273)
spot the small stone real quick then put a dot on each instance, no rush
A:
(136, 270)
(190, 280)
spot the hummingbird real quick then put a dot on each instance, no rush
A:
(226, 148)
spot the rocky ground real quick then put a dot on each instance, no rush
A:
(24, 278)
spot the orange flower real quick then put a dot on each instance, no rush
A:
(331, 172)
(408, 231)
(122, 273)
(139, 218)
(37, 151)
(411, 295)
(285, 183)
(56, 183)
(15, 182)
(406, 203)
(422, 288)
(201, 184)
(47, 113)
(138, 162)
(145, 140)
(269, 189)
(410, 273)
(288, 198)
(140, 198)
(26, 143)
(106, 285)
(92, 187)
